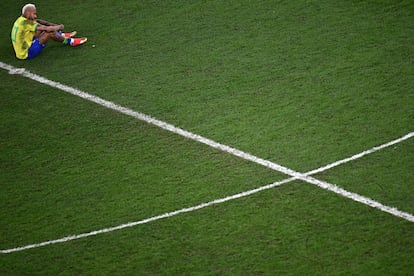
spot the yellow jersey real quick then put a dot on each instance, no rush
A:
(22, 36)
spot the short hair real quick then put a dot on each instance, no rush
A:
(26, 7)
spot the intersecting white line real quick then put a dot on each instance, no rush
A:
(294, 174)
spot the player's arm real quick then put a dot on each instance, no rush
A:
(53, 28)
(46, 23)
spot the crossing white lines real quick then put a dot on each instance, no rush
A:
(294, 175)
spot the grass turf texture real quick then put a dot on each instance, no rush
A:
(300, 83)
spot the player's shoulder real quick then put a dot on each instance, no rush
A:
(21, 20)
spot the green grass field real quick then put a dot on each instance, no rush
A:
(299, 83)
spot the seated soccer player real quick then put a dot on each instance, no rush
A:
(30, 35)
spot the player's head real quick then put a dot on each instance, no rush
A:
(29, 11)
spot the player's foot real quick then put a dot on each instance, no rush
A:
(78, 41)
(69, 35)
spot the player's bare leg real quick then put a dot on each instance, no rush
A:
(44, 37)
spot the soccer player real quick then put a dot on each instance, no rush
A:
(30, 35)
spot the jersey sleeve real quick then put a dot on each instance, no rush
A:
(35, 27)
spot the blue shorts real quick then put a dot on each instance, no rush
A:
(35, 48)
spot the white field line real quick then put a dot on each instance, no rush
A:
(294, 175)
(359, 155)
(166, 215)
